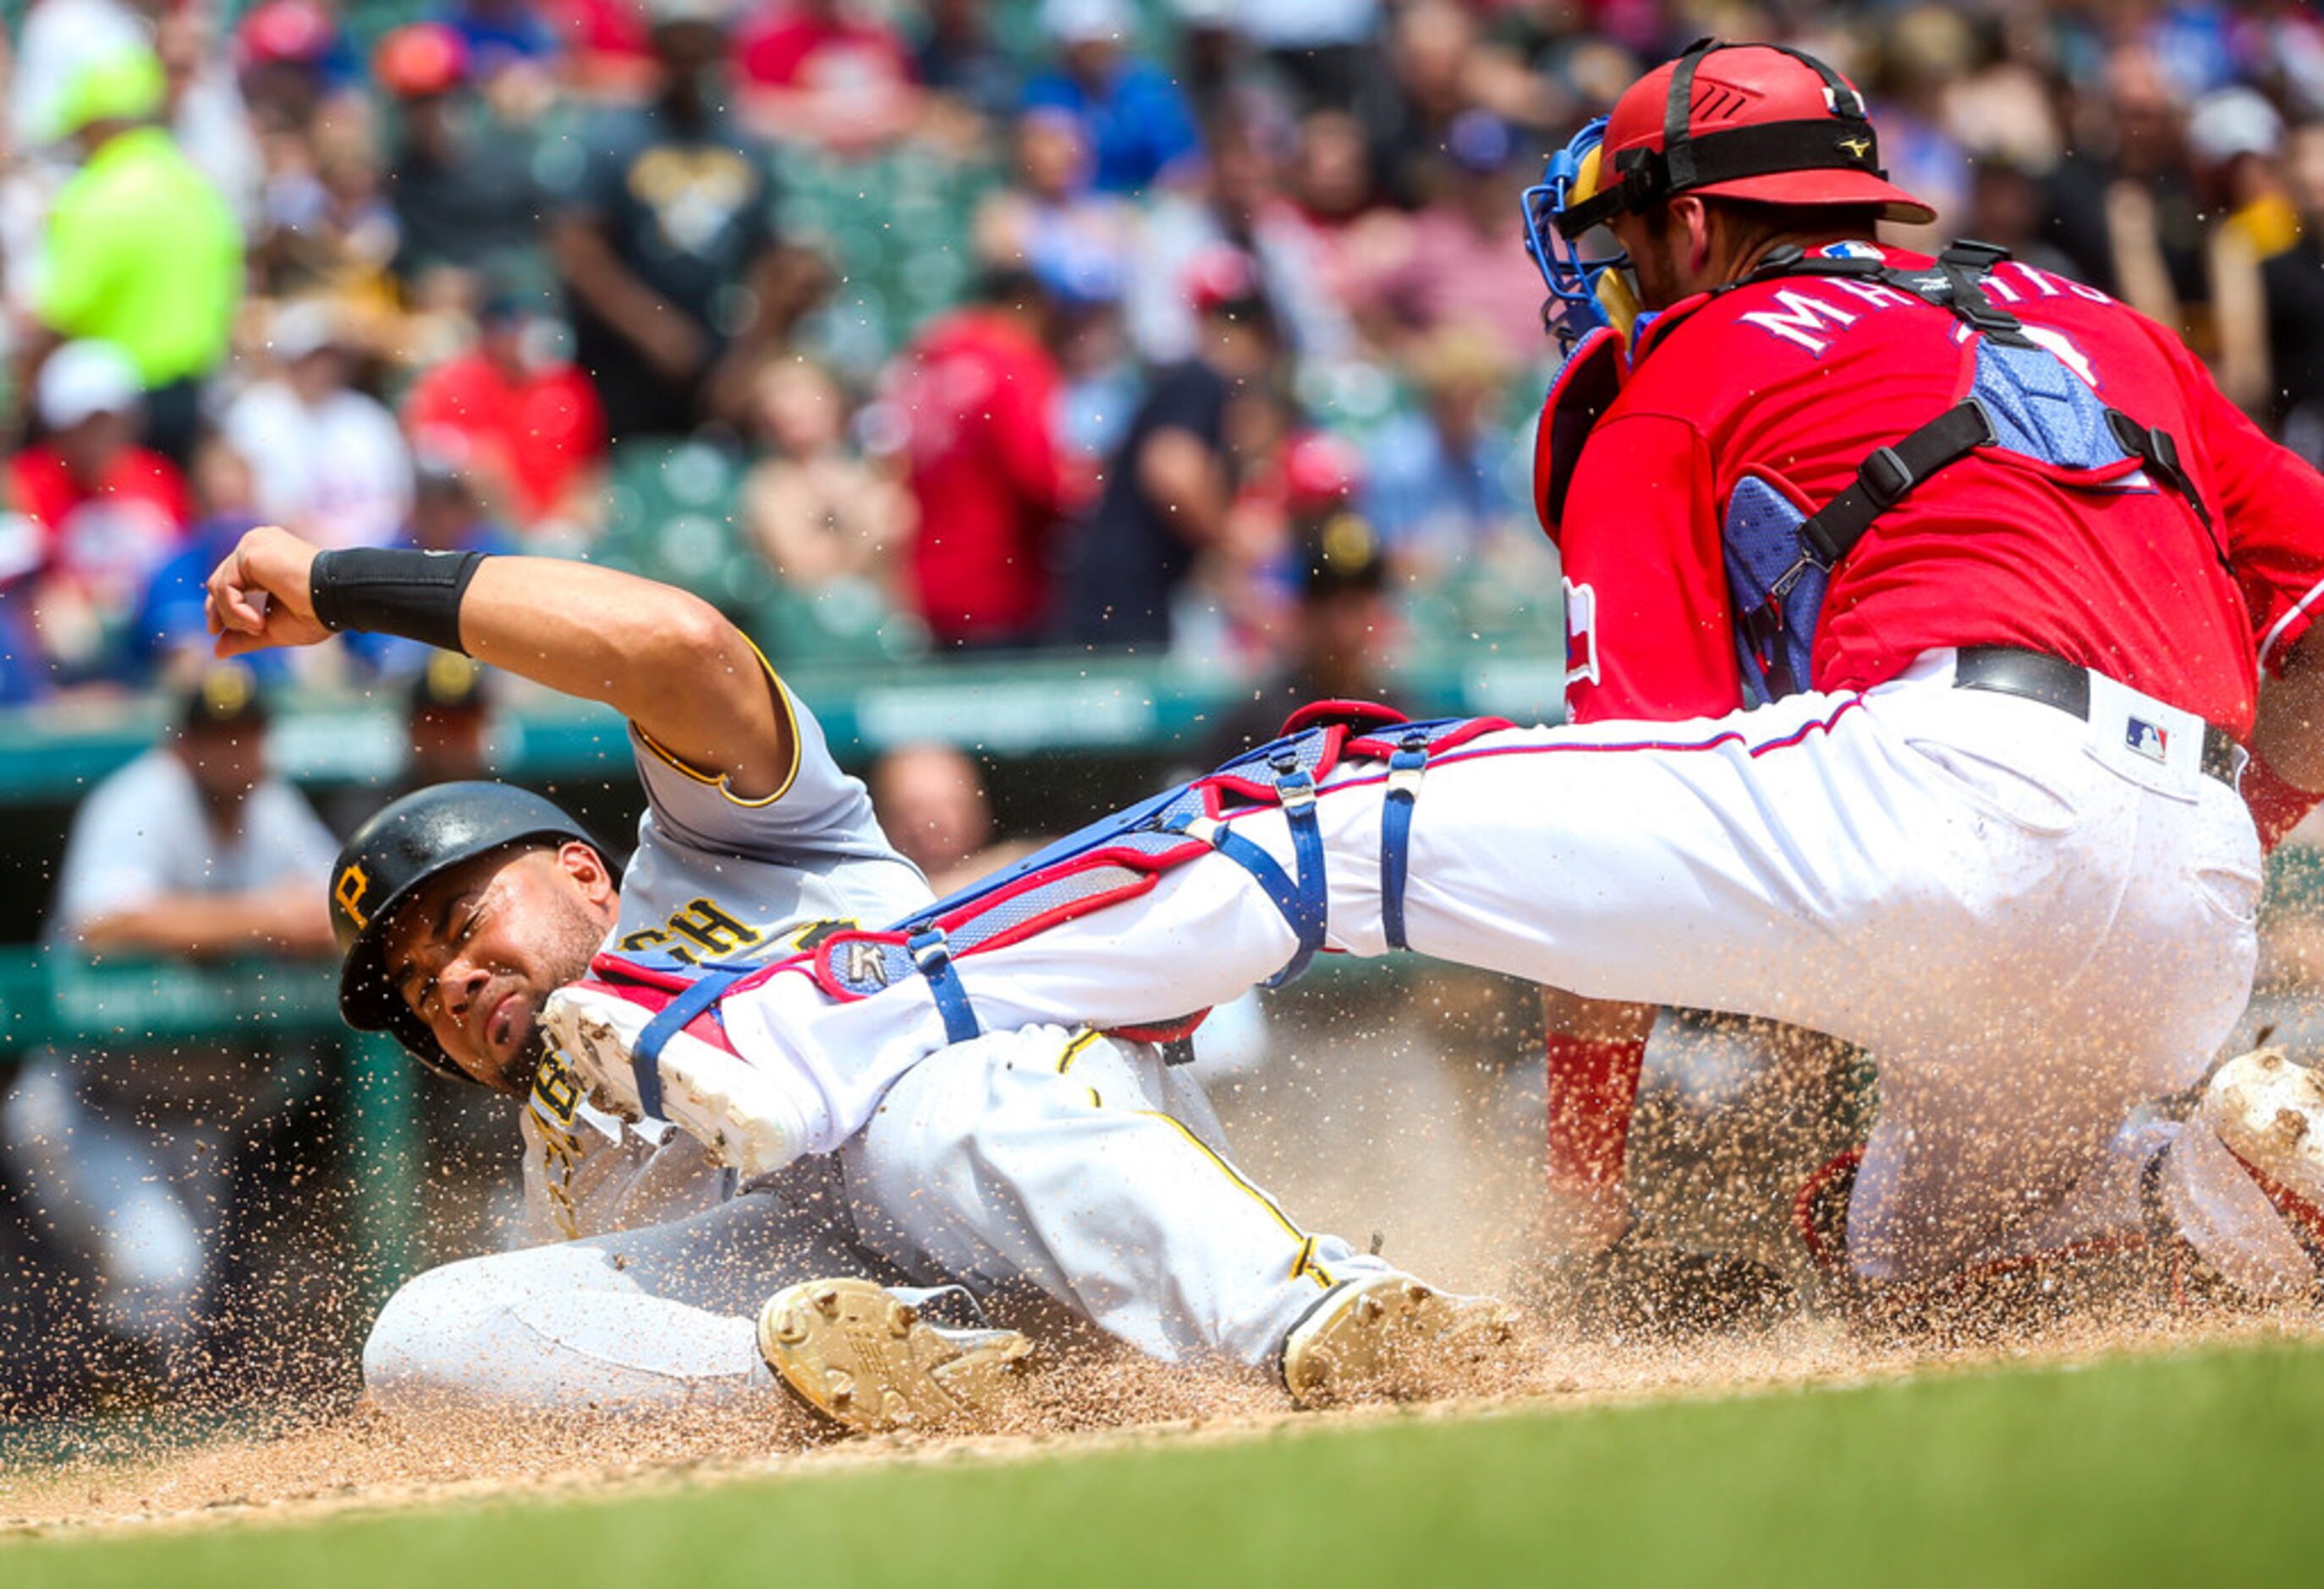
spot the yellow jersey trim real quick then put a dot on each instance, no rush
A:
(1082, 1039)
(1302, 1260)
(718, 779)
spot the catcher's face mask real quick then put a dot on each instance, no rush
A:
(1589, 276)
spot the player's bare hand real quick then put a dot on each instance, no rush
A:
(262, 596)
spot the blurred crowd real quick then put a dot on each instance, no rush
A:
(951, 328)
(903, 330)
(901, 326)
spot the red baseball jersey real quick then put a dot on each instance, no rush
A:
(1797, 381)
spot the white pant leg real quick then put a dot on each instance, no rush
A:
(1087, 1167)
(1851, 864)
(2030, 938)
(662, 1316)
(2029, 941)
(1857, 865)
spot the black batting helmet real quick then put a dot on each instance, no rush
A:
(410, 841)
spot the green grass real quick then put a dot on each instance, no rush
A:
(2194, 1469)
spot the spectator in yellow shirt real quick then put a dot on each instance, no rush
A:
(142, 250)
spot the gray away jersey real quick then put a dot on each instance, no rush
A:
(714, 878)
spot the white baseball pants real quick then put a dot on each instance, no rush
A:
(663, 1317)
(2032, 923)
(1080, 1165)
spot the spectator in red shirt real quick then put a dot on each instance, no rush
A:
(527, 428)
(978, 393)
(819, 69)
(109, 512)
(608, 53)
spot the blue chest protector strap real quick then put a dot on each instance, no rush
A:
(1404, 767)
(645, 1055)
(1765, 627)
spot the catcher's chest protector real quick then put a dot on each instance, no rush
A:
(2023, 398)
(1584, 388)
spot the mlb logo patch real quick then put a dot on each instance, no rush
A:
(2149, 740)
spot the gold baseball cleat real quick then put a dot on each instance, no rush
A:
(1388, 1337)
(869, 1362)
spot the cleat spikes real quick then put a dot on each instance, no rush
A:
(868, 1362)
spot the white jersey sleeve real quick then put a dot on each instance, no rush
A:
(718, 877)
(818, 808)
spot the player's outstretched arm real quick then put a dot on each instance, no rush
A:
(664, 659)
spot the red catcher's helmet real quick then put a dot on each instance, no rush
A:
(1761, 122)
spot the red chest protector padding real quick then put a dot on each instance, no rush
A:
(1580, 394)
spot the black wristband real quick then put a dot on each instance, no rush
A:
(383, 590)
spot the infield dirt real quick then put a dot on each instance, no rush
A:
(1447, 1148)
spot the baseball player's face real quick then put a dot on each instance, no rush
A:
(477, 952)
(1658, 258)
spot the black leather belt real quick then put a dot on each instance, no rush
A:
(2053, 681)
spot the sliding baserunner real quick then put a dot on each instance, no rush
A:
(1079, 1161)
